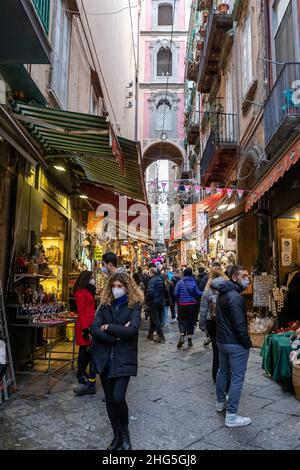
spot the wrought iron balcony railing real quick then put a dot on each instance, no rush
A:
(222, 138)
(282, 107)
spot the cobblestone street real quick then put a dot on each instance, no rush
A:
(171, 405)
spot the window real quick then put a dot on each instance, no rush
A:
(94, 103)
(280, 9)
(163, 116)
(164, 62)
(284, 35)
(61, 48)
(247, 55)
(43, 10)
(165, 15)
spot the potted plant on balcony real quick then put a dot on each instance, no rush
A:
(202, 31)
(290, 107)
(205, 4)
(200, 45)
(205, 14)
(223, 8)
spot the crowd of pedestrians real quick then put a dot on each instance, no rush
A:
(108, 343)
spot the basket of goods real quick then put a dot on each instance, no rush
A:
(295, 360)
(258, 329)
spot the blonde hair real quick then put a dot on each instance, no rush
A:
(134, 293)
(215, 272)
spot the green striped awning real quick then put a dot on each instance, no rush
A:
(85, 138)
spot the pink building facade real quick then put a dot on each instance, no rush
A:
(163, 36)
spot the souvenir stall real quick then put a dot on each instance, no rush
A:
(223, 246)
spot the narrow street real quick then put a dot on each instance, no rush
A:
(171, 406)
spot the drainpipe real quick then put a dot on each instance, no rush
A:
(137, 73)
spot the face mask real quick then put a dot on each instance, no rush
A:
(118, 292)
(244, 283)
(104, 270)
(93, 282)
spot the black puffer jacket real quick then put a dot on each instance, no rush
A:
(118, 343)
(156, 290)
(231, 314)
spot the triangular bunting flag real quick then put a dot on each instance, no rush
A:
(240, 192)
(186, 187)
(175, 186)
(164, 185)
(229, 191)
(208, 190)
(197, 189)
(219, 190)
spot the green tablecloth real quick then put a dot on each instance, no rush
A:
(275, 353)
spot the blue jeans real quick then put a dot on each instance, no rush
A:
(233, 360)
(165, 314)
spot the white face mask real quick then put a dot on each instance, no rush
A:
(118, 292)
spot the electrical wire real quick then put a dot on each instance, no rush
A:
(170, 55)
(108, 13)
(132, 34)
(96, 54)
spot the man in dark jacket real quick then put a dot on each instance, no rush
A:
(233, 343)
(202, 278)
(155, 298)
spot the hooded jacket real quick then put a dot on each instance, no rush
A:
(187, 291)
(231, 314)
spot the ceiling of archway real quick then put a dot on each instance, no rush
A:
(162, 151)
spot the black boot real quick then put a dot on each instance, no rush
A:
(180, 342)
(115, 442)
(88, 388)
(124, 440)
(190, 343)
(150, 336)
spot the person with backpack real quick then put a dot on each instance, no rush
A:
(208, 315)
(187, 295)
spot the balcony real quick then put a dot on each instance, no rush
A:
(216, 38)
(282, 109)
(23, 35)
(221, 145)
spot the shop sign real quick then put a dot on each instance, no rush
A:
(286, 245)
(286, 258)
(201, 226)
(52, 191)
(262, 288)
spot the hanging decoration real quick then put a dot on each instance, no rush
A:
(184, 190)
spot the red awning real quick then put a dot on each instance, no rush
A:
(189, 216)
(286, 161)
(126, 208)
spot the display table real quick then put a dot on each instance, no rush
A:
(47, 354)
(276, 356)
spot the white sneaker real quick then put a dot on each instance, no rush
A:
(173, 320)
(220, 406)
(234, 420)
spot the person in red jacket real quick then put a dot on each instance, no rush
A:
(84, 294)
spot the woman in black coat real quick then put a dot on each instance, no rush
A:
(115, 349)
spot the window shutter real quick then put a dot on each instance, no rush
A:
(164, 62)
(165, 15)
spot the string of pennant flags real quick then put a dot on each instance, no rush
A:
(208, 189)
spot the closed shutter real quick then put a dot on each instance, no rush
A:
(164, 62)
(165, 15)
